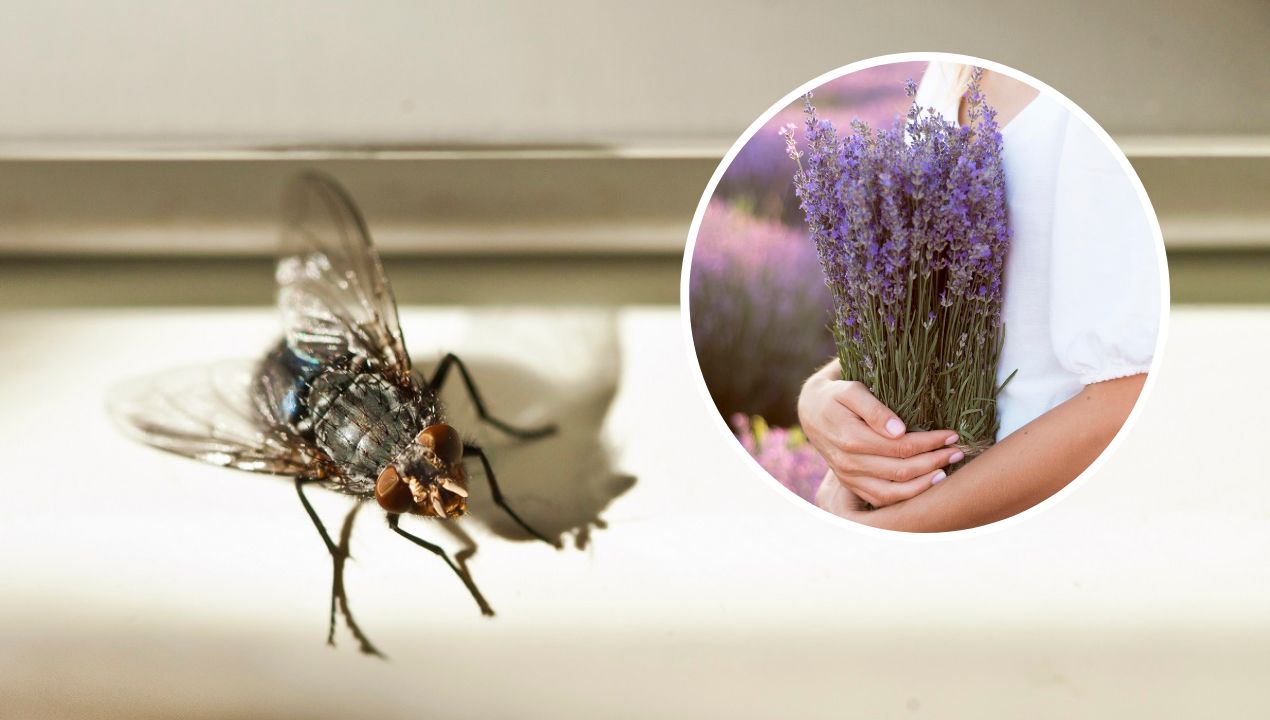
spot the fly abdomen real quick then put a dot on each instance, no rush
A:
(360, 420)
(283, 380)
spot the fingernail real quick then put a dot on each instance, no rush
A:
(956, 457)
(895, 427)
(939, 477)
(952, 440)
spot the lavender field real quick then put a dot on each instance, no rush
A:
(757, 299)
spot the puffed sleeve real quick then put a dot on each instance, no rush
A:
(1106, 268)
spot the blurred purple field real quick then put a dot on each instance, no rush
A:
(757, 298)
(758, 307)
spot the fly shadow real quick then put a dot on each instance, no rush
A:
(560, 484)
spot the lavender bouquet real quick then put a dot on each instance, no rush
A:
(910, 226)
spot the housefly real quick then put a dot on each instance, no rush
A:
(334, 403)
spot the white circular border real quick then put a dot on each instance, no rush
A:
(686, 317)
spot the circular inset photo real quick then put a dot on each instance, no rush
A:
(925, 294)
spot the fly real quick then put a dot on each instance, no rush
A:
(335, 402)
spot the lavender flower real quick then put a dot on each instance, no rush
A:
(910, 226)
(867, 94)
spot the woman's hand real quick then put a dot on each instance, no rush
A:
(1025, 467)
(865, 443)
(836, 498)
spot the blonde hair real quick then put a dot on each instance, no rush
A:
(943, 84)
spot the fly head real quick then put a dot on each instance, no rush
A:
(427, 478)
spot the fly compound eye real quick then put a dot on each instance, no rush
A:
(443, 440)
(392, 492)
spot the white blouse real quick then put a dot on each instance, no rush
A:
(1082, 279)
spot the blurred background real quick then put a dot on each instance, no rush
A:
(547, 158)
(759, 306)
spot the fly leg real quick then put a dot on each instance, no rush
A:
(440, 552)
(300, 482)
(339, 554)
(469, 548)
(338, 591)
(439, 378)
(497, 493)
(338, 563)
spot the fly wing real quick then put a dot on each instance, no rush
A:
(335, 299)
(212, 413)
